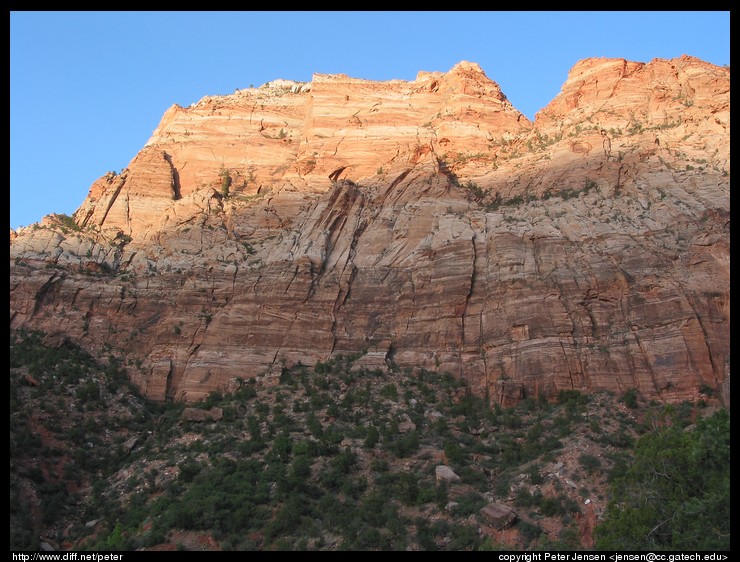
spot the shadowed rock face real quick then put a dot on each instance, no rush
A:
(427, 222)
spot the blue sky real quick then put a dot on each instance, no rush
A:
(88, 88)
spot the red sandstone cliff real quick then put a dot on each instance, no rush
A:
(428, 222)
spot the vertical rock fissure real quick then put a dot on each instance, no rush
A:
(706, 339)
(128, 212)
(287, 287)
(112, 200)
(413, 302)
(380, 201)
(43, 291)
(646, 360)
(178, 374)
(168, 389)
(176, 191)
(567, 363)
(469, 293)
(78, 290)
(121, 298)
(233, 280)
(345, 280)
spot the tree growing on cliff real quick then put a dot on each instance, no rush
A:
(226, 182)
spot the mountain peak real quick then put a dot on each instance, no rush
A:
(467, 66)
(427, 222)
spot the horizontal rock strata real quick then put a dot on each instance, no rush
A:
(426, 223)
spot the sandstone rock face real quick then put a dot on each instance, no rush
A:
(428, 223)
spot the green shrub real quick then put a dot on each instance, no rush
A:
(470, 503)
(535, 476)
(226, 182)
(372, 437)
(590, 463)
(528, 531)
(629, 398)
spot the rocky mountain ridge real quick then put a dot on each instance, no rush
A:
(427, 223)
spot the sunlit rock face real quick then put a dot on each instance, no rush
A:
(427, 222)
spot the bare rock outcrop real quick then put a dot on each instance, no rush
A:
(498, 515)
(444, 473)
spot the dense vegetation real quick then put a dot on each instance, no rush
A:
(675, 495)
(339, 457)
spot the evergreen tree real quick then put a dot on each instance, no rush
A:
(676, 494)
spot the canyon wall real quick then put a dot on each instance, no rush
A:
(427, 224)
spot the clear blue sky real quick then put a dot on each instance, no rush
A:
(88, 88)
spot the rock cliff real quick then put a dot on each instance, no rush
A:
(428, 223)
